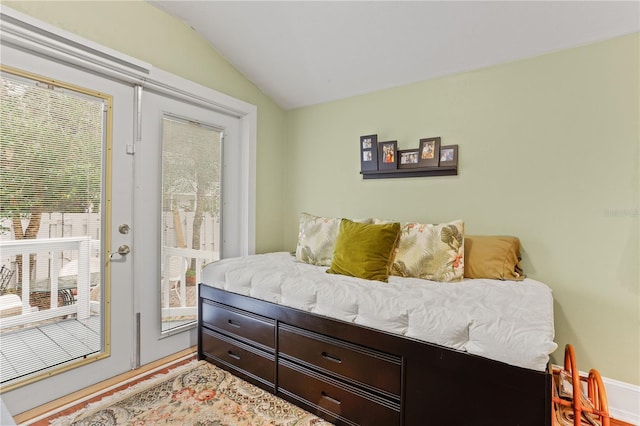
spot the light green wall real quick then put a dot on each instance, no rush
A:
(548, 152)
(147, 33)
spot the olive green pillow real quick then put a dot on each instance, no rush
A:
(495, 257)
(364, 250)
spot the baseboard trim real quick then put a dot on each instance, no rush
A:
(624, 400)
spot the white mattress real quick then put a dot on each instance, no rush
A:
(506, 321)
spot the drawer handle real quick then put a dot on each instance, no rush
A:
(328, 398)
(331, 358)
(234, 356)
(232, 323)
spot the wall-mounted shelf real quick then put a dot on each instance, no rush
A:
(383, 160)
(413, 172)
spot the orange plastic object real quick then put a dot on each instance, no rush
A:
(570, 406)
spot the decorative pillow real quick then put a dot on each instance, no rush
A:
(317, 238)
(495, 257)
(364, 250)
(431, 252)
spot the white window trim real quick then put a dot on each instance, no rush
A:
(27, 33)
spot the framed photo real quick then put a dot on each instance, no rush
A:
(408, 158)
(387, 155)
(368, 153)
(448, 155)
(429, 149)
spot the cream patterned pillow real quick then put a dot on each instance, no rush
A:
(317, 239)
(431, 252)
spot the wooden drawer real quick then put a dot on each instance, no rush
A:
(344, 404)
(379, 370)
(244, 325)
(243, 358)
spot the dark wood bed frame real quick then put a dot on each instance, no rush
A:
(354, 375)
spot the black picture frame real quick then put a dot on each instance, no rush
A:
(388, 155)
(408, 158)
(449, 156)
(429, 152)
(368, 153)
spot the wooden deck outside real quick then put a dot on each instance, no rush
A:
(28, 350)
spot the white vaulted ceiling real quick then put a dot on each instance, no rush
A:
(303, 53)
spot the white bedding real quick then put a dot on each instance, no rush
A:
(506, 321)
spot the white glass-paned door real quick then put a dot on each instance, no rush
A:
(102, 255)
(66, 177)
(190, 228)
(186, 205)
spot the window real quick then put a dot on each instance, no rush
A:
(191, 184)
(52, 138)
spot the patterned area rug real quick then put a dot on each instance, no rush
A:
(197, 393)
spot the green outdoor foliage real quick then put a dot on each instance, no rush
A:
(50, 153)
(191, 165)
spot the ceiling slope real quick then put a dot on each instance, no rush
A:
(304, 52)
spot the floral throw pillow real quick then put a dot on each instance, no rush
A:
(317, 239)
(431, 252)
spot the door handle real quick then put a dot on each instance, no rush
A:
(123, 250)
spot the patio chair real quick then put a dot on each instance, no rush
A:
(5, 278)
(177, 267)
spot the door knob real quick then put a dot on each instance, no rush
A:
(123, 250)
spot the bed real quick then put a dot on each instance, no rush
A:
(395, 350)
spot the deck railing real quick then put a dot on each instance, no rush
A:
(51, 248)
(174, 278)
(87, 252)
